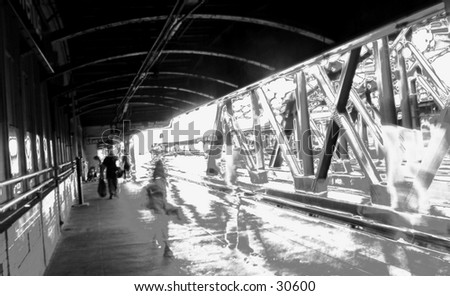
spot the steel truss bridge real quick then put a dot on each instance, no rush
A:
(360, 133)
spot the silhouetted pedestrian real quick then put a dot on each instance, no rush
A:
(110, 164)
(157, 202)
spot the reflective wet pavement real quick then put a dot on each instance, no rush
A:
(225, 234)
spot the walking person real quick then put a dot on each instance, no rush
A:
(161, 209)
(110, 164)
(97, 166)
(126, 166)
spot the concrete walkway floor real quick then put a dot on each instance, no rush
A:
(224, 234)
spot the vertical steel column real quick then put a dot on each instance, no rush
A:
(78, 158)
(70, 140)
(216, 143)
(303, 129)
(54, 131)
(415, 119)
(384, 80)
(4, 157)
(79, 173)
(388, 114)
(228, 129)
(74, 129)
(259, 146)
(126, 132)
(404, 95)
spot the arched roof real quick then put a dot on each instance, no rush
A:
(169, 52)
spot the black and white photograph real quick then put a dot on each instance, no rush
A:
(254, 147)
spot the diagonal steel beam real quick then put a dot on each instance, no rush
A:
(282, 140)
(433, 83)
(327, 88)
(340, 119)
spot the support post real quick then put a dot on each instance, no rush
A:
(383, 72)
(404, 94)
(78, 158)
(304, 129)
(415, 119)
(388, 113)
(259, 146)
(74, 130)
(79, 173)
(216, 142)
(56, 152)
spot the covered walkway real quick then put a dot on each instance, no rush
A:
(223, 233)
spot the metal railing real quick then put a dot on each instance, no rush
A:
(11, 203)
(5, 206)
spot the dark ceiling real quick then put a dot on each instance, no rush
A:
(164, 57)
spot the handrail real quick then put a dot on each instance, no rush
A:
(28, 176)
(64, 174)
(24, 177)
(65, 164)
(14, 201)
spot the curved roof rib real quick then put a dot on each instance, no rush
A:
(105, 79)
(146, 87)
(139, 97)
(131, 103)
(231, 18)
(68, 67)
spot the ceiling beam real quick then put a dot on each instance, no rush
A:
(145, 87)
(184, 74)
(69, 67)
(61, 36)
(103, 106)
(138, 97)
